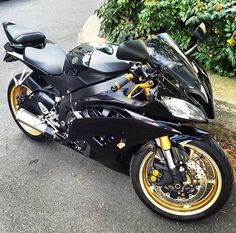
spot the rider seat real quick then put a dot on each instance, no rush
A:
(50, 59)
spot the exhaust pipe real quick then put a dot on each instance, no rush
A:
(31, 120)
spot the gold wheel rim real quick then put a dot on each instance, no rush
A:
(178, 209)
(15, 92)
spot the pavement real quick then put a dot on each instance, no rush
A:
(45, 187)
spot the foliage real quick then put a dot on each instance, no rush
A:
(131, 19)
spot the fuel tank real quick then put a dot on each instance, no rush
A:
(92, 63)
(89, 64)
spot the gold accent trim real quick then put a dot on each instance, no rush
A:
(117, 85)
(146, 86)
(130, 77)
(153, 178)
(182, 209)
(155, 172)
(165, 143)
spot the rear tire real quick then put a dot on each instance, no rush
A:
(220, 188)
(12, 94)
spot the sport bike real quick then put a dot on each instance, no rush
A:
(135, 101)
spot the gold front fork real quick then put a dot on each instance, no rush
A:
(166, 146)
(165, 143)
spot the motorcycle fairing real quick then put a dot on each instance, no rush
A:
(154, 107)
(181, 71)
(165, 53)
(130, 131)
(90, 128)
(205, 82)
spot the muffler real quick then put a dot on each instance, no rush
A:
(31, 120)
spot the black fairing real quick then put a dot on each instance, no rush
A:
(181, 71)
(172, 59)
(120, 129)
(133, 50)
(210, 106)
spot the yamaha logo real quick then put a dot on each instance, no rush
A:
(75, 60)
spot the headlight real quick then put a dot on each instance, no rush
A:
(182, 109)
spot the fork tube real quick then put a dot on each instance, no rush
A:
(166, 146)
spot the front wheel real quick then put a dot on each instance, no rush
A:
(208, 184)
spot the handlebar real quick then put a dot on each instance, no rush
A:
(119, 84)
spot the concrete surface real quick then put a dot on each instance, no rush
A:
(224, 88)
(90, 31)
(45, 187)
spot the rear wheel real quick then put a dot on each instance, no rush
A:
(13, 93)
(206, 189)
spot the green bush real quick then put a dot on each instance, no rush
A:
(131, 19)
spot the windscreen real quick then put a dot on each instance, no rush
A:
(165, 52)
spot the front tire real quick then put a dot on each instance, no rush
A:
(213, 170)
(12, 94)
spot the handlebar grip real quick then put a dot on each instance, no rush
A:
(119, 84)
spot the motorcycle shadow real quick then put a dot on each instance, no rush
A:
(111, 162)
(107, 160)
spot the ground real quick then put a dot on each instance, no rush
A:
(45, 187)
(225, 124)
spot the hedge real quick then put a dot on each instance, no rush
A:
(131, 19)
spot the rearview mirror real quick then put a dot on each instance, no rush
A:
(200, 32)
(198, 36)
(133, 50)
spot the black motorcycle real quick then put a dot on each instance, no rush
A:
(134, 101)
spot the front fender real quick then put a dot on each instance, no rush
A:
(189, 133)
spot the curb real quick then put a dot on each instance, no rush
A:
(90, 31)
(224, 95)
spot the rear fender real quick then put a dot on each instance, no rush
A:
(8, 57)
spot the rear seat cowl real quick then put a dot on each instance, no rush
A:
(22, 35)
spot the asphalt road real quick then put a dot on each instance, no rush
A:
(45, 187)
